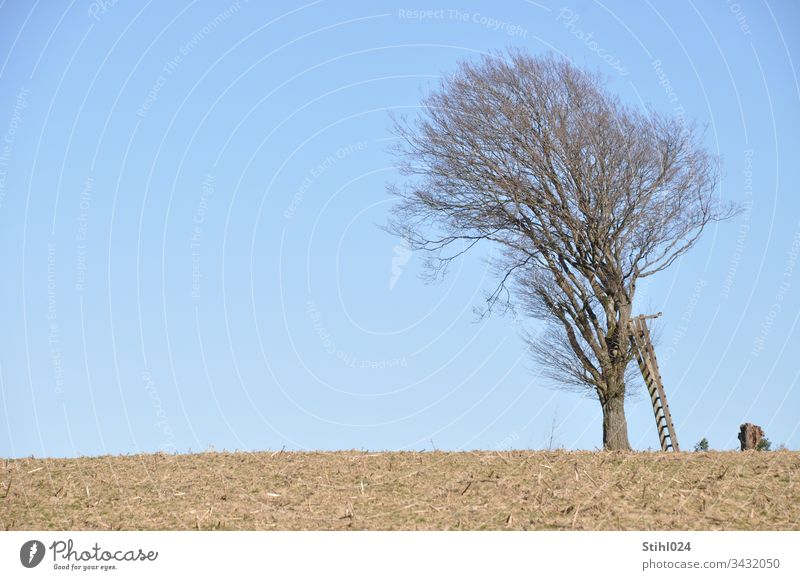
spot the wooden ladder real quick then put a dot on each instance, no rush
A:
(646, 357)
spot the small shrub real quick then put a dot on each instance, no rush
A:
(701, 445)
(764, 445)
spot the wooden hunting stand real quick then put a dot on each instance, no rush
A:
(646, 357)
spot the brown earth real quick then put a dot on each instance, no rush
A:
(527, 490)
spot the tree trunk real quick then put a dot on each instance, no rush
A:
(615, 426)
(750, 436)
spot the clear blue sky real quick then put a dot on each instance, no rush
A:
(190, 202)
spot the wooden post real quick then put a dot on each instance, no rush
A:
(750, 436)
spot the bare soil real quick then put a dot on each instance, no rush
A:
(519, 490)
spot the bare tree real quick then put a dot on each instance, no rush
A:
(583, 194)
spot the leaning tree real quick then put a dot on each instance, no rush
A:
(583, 194)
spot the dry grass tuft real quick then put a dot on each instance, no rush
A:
(517, 490)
